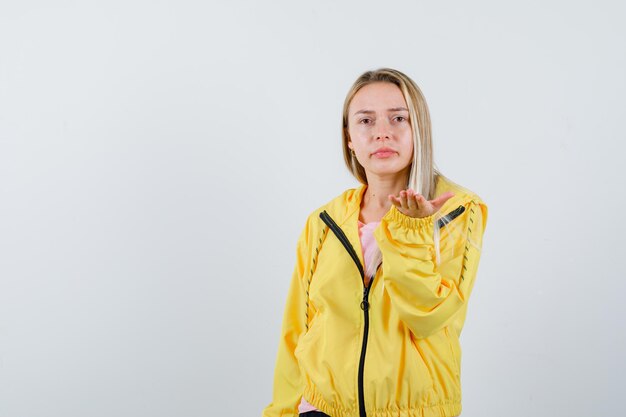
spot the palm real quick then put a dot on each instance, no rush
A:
(413, 204)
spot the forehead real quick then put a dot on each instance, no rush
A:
(377, 96)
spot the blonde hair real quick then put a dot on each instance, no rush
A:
(424, 173)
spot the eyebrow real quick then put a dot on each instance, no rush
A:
(389, 110)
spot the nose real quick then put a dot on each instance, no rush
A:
(383, 131)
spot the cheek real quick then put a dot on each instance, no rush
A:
(357, 137)
(358, 130)
(408, 143)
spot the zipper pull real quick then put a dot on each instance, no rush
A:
(365, 305)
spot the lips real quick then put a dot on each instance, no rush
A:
(384, 152)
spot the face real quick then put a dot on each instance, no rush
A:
(379, 130)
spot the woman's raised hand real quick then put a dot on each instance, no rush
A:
(413, 204)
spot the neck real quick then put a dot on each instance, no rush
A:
(378, 190)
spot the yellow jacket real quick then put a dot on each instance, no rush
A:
(390, 349)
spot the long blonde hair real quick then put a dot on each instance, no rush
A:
(424, 173)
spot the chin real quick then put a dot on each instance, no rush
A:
(384, 172)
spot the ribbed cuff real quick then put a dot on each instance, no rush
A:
(414, 223)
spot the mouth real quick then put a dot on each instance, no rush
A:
(384, 153)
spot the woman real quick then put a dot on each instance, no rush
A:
(383, 274)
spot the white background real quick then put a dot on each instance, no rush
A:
(158, 161)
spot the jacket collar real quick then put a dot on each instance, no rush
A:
(347, 206)
(353, 198)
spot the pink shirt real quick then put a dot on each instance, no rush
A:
(368, 245)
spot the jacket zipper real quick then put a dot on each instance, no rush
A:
(365, 307)
(364, 303)
(343, 239)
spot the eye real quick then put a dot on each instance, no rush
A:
(365, 121)
(400, 118)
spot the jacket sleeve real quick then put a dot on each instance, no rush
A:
(425, 295)
(288, 381)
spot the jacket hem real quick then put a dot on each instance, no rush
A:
(451, 408)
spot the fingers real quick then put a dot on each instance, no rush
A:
(400, 200)
(416, 204)
(439, 201)
(404, 199)
(407, 200)
(412, 198)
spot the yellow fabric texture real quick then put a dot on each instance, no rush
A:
(417, 311)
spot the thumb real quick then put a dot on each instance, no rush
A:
(440, 201)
